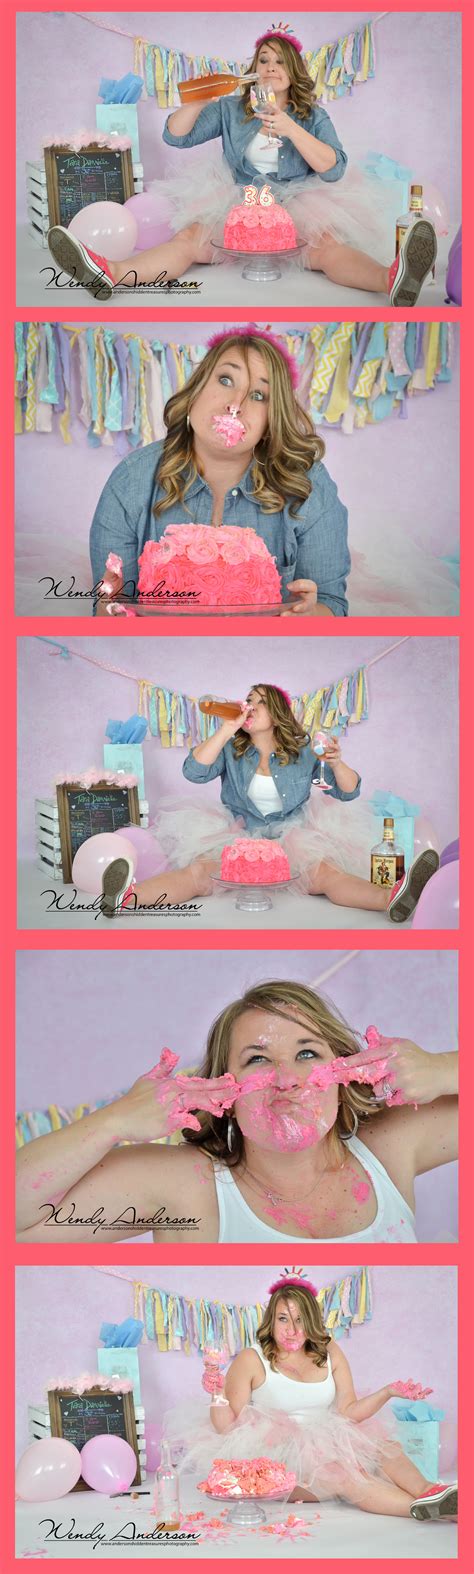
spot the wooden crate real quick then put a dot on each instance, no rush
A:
(47, 838)
(37, 198)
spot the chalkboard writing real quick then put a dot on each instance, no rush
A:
(78, 1417)
(85, 813)
(93, 174)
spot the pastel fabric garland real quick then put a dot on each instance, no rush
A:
(176, 719)
(116, 385)
(334, 68)
(174, 1322)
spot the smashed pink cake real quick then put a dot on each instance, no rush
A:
(254, 861)
(250, 227)
(248, 1478)
(213, 566)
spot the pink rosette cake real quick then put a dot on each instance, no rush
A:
(248, 1478)
(250, 227)
(254, 861)
(224, 566)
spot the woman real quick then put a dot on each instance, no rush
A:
(304, 172)
(267, 769)
(290, 1397)
(272, 480)
(274, 1156)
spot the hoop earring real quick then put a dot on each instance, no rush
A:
(188, 423)
(346, 1137)
(230, 1134)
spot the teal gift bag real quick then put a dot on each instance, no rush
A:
(420, 1443)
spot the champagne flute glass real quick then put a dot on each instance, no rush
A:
(216, 1357)
(319, 745)
(261, 98)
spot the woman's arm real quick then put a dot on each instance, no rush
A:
(320, 147)
(113, 529)
(347, 1402)
(237, 1390)
(197, 124)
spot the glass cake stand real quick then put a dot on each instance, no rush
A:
(248, 1511)
(272, 609)
(254, 898)
(261, 267)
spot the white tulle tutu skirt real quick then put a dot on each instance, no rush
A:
(325, 828)
(324, 1449)
(350, 209)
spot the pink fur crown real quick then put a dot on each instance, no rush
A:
(279, 30)
(293, 1276)
(258, 333)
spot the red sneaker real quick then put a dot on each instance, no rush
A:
(407, 891)
(81, 263)
(438, 1502)
(117, 887)
(415, 260)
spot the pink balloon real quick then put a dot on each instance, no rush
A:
(448, 1447)
(454, 270)
(435, 208)
(47, 1469)
(94, 857)
(425, 836)
(108, 228)
(153, 1436)
(151, 219)
(108, 1463)
(150, 858)
(438, 907)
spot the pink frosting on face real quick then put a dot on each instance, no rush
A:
(292, 1341)
(230, 428)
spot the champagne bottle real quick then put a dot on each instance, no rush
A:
(387, 860)
(405, 220)
(227, 710)
(213, 85)
(166, 1493)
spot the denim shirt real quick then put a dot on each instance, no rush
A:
(293, 782)
(224, 117)
(311, 546)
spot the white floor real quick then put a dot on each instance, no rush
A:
(339, 1532)
(38, 897)
(219, 286)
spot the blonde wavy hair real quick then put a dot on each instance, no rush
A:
(301, 89)
(285, 453)
(317, 1340)
(296, 1002)
(289, 737)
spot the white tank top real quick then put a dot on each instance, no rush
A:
(263, 792)
(279, 1392)
(262, 155)
(394, 1220)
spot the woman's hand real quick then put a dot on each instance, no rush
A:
(275, 121)
(415, 1076)
(114, 584)
(408, 1390)
(305, 594)
(230, 727)
(159, 1103)
(332, 752)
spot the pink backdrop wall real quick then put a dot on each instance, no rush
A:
(62, 58)
(154, 999)
(412, 1332)
(65, 706)
(379, 471)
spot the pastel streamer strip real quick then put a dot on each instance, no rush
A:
(334, 68)
(116, 385)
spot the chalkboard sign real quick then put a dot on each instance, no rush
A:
(89, 812)
(78, 1417)
(92, 174)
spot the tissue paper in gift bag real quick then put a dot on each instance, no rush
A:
(387, 804)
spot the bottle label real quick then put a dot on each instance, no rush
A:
(400, 232)
(383, 869)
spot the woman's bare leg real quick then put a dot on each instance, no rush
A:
(346, 265)
(405, 1474)
(171, 259)
(178, 885)
(347, 890)
(377, 1497)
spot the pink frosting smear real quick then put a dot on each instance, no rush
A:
(230, 428)
(411, 1390)
(114, 563)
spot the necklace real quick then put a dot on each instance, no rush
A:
(275, 1196)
